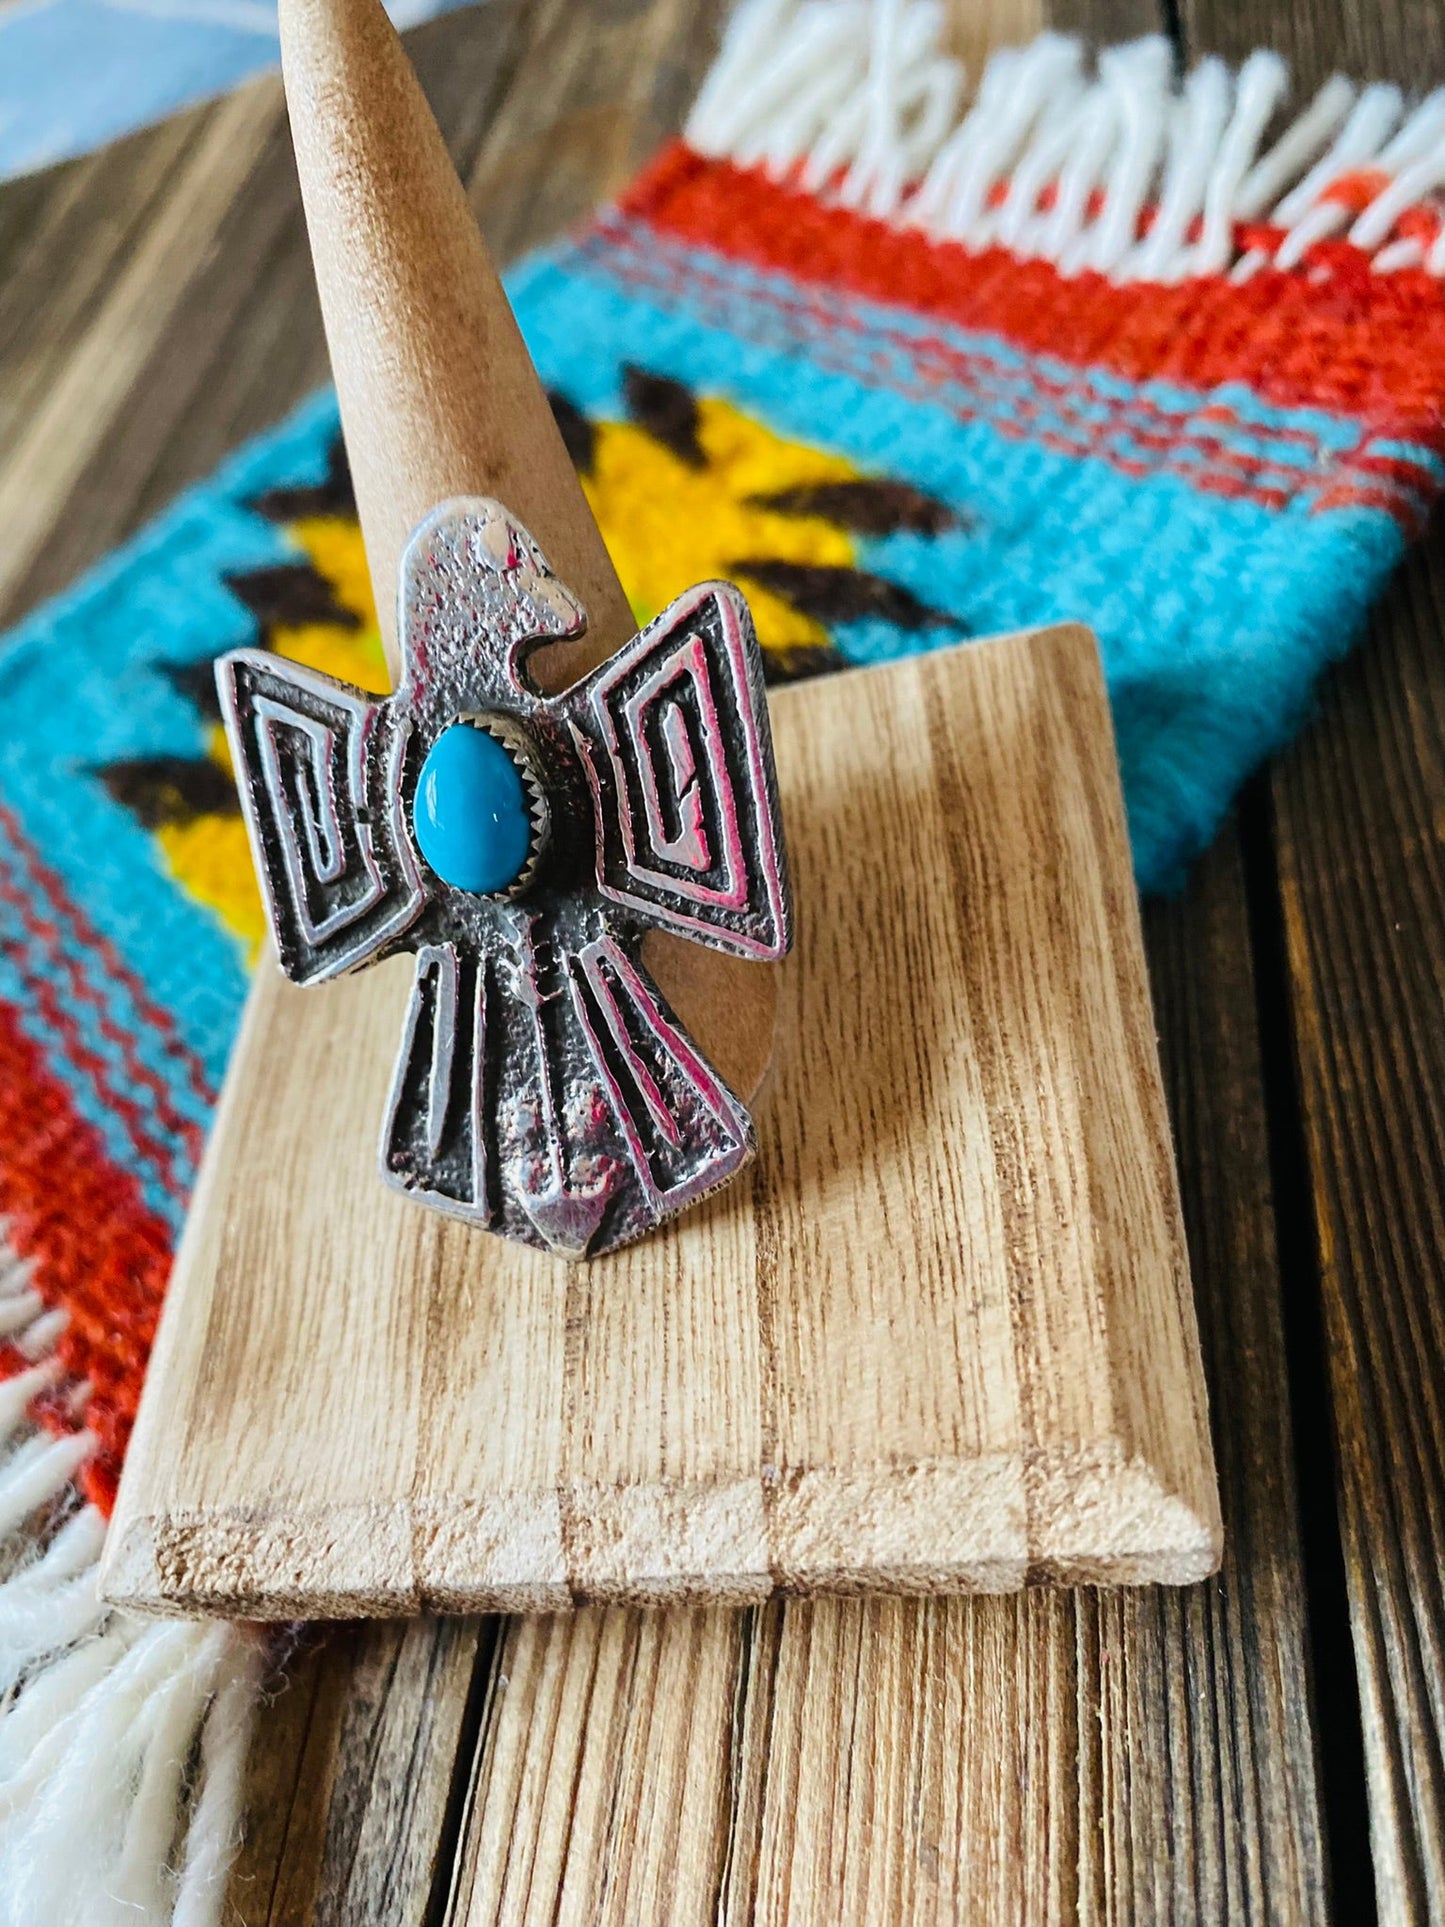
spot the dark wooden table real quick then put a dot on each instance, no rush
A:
(1264, 1748)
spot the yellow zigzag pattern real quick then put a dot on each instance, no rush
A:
(209, 855)
(668, 523)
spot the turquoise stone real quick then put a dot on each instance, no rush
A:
(472, 821)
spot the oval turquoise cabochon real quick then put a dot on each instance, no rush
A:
(472, 821)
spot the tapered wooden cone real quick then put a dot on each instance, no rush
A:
(439, 396)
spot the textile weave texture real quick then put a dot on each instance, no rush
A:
(892, 444)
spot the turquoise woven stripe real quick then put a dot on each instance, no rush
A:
(1215, 613)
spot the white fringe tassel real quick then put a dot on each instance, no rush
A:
(858, 100)
(122, 1740)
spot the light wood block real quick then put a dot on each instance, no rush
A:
(944, 1341)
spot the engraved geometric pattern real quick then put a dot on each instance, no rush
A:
(544, 1088)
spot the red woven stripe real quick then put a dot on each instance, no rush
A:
(90, 938)
(98, 1252)
(1412, 514)
(1360, 343)
(1081, 420)
(88, 1064)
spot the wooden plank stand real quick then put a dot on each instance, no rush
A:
(942, 1341)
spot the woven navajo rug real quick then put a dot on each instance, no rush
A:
(1103, 347)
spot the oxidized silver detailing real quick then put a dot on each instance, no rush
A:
(320, 792)
(544, 1088)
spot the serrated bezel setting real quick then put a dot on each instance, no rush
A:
(515, 741)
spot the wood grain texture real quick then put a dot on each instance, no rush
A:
(946, 1344)
(596, 91)
(1103, 22)
(1361, 898)
(1115, 1756)
(76, 401)
(350, 1789)
(1362, 879)
(1399, 40)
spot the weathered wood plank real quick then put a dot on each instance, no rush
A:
(1361, 878)
(1399, 40)
(86, 397)
(1224, 1670)
(597, 89)
(233, 340)
(63, 237)
(352, 1788)
(1362, 881)
(1102, 22)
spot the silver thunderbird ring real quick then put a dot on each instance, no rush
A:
(520, 846)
